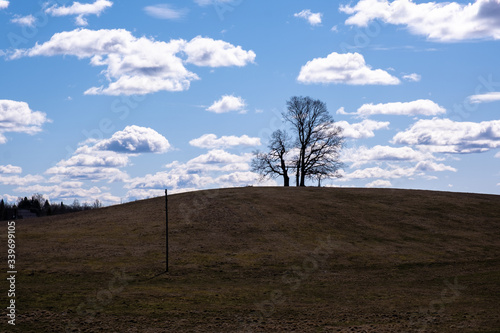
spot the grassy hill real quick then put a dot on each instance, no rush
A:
(265, 259)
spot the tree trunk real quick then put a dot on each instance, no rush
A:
(302, 178)
(302, 166)
(297, 174)
(286, 179)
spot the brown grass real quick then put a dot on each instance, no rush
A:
(266, 259)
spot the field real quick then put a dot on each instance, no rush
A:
(264, 260)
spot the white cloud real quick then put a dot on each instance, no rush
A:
(68, 191)
(104, 159)
(27, 21)
(18, 117)
(8, 198)
(138, 66)
(378, 172)
(10, 169)
(202, 51)
(363, 155)
(421, 107)
(172, 179)
(347, 68)
(442, 22)
(238, 179)
(341, 110)
(414, 77)
(394, 172)
(135, 139)
(139, 194)
(312, 18)
(363, 129)
(448, 136)
(228, 103)
(497, 155)
(86, 156)
(4, 4)
(218, 160)
(425, 166)
(210, 141)
(485, 98)
(79, 9)
(91, 173)
(165, 12)
(134, 65)
(379, 183)
(20, 180)
(216, 168)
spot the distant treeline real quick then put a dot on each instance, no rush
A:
(39, 206)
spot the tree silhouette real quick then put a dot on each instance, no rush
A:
(273, 163)
(315, 152)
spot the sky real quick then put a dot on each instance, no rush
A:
(118, 101)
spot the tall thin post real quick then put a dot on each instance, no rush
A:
(166, 231)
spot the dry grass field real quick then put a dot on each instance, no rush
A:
(264, 260)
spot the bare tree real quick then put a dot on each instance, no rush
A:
(318, 140)
(315, 151)
(76, 205)
(273, 163)
(97, 204)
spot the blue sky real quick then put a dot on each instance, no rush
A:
(117, 101)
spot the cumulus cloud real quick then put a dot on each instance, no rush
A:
(165, 12)
(216, 168)
(104, 159)
(433, 167)
(378, 172)
(238, 179)
(10, 169)
(135, 139)
(172, 179)
(203, 51)
(81, 10)
(86, 156)
(312, 18)
(20, 180)
(441, 22)
(138, 66)
(210, 141)
(485, 98)
(364, 129)
(218, 160)
(448, 136)
(379, 183)
(346, 68)
(363, 155)
(4, 4)
(414, 77)
(92, 173)
(421, 107)
(70, 190)
(18, 117)
(394, 172)
(27, 21)
(228, 103)
(139, 194)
